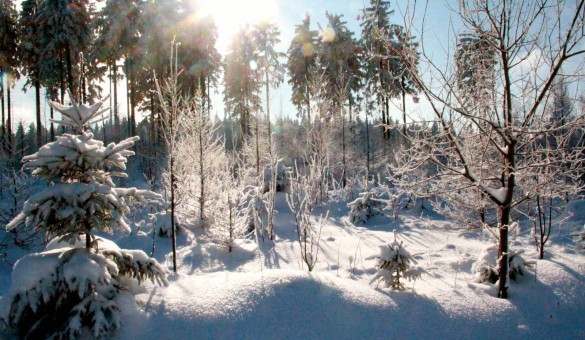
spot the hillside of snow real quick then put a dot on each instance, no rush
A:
(263, 289)
(265, 292)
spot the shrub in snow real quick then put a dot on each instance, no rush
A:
(395, 262)
(62, 292)
(281, 174)
(580, 238)
(230, 212)
(485, 268)
(160, 223)
(364, 207)
(308, 234)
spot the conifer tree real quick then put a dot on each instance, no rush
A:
(8, 64)
(301, 64)
(340, 62)
(64, 32)
(79, 287)
(375, 23)
(241, 79)
(198, 57)
(267, 36)
(117, 38)
(29, 50)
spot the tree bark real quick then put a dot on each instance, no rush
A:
(69, 68)
(201, 174)
(115, 83)
(9, 114)
(3, 109)
(403, 105)
(38, 112)
(132, 101)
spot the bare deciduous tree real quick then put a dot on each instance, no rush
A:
(497, 150)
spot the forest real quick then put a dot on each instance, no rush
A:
(135, 193)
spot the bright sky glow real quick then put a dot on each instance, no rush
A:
(230, 15)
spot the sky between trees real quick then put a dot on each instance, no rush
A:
(433, 21)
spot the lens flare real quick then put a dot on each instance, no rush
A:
(230, 15)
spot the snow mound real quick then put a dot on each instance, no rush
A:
(282, 303)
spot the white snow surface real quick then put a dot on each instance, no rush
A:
(261, 290)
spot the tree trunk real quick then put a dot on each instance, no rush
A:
(268, 113)
(343, 171)
(38, 113)
(506, 208)
(384, 117)
(152, 121)
(9, 113)
(52, 113)
(132, 101)
(257, 132)
(127, 69)
(69, 69)
(87, 240)
(3, 110)
(403, 105)
(208, 98)
(115, 81)
(201, 174)
(367, 148)
(503, 253)
(173, 180)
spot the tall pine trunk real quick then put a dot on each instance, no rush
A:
(257, 132)
(38, 111)
(268, 112)
(69, 69)
(201, 174)
(3, 109)
(9, 114)
(403, 105)
(132, 101)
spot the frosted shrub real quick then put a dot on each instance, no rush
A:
(395, 262)
(160, 223)
(485, 268)
(64, 292)
(308, 233)
(365, 206)
(580, 239)
(281, 173)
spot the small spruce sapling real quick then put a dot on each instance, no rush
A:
(580, 239)
(395, 262)
(485, 268)
(367, 205)
(65, 292)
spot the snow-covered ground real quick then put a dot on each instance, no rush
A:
(262, 289)
(265, 292)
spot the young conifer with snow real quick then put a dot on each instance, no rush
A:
(395, 262)
(486, 267)
(70, 291)
(581, 239)
(367, 205)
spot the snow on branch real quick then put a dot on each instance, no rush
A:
(79, 116)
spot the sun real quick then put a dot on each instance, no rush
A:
(230, 15)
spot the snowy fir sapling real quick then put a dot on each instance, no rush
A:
(364, 207)
(580, 239)
(485, 268)
(395, 262)
(72, 291)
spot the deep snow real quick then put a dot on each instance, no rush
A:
(262, 290)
